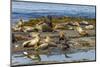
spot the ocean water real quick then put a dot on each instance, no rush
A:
(35, 10)
(74, 57)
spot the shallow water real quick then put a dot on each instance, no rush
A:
(71, 57)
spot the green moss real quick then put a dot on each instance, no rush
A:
(34, 21)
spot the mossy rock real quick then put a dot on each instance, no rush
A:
(35, 30)
(46, 28)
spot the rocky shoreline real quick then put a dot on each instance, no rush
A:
(76, 41)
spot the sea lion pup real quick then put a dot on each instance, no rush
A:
(48, 42)
(89, 27)
(61, 36)
(20, 23)
(28, 29)
(80, 30)
(65, 45)
(19, 26)
(31, 56)
(20, 37)
(33, 42)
